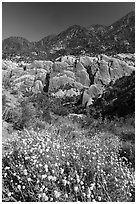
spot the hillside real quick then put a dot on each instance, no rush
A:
(116, 38)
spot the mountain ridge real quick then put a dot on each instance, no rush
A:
(76, 39)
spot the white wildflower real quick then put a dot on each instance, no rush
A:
(44, 176)
(9, 194)
(7, 168)
(25, 172)
(75, 188)
(64, 182)
(29, 179)
(99, 198)
(57, 194)
(19, 187)
(92, 186)
(46, 167)
(61, 170)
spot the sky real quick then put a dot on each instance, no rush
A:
(35, 20)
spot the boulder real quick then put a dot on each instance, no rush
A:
(59, 66)
(86, 98)
(7, 64)
(79, 67)
(82, 77)
(94, 91)
(37, 64)
(94, 68)
(47, 65)
(38, 87)
(86, 61)
(68, 59)
(57, 82)
(126, 69)
(25, 78)
(69, 73)
(104, 72)
(105, 58)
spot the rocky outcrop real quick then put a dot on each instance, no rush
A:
(69, 77)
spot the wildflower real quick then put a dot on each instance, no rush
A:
(99, 198)
(43, 187)
(40, 151)
(29, 179)
(23, 187)
(34, 161)
(92, 186)
(40, 165)
(44, 176)
(77, 178)
(75, 188)
(19, 187)
(62, 170)
(9, 194)
(46, 167)
(5, 174)
(45, 197)
(54, 178)
(68, 163)
(88, 193)
(7, 168)
(84, 194)
(64, 182)
(81, 182)
(47, 149)
(58, 146)
(66, 195)
(63, 155)
(49, 178)
(25, 172)
(57, 194)
(38, 181)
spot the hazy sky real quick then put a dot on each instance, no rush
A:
(34, 20)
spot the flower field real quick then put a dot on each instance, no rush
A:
(64, 162)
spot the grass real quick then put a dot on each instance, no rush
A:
(62, 161)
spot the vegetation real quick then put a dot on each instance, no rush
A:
(64, 162)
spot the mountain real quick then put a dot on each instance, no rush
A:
(16, 44)
(120, 36)
(116, 38)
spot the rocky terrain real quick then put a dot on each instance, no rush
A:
(91, 75)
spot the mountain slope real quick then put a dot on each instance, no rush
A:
(116, 38)
(120, 36)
